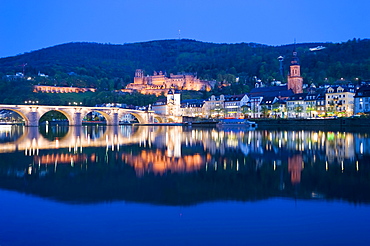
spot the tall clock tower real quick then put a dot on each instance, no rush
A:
(295, 81)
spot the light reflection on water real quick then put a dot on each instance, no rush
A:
(185, 186)
(277, 163)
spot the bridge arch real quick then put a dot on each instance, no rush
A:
(20, 113)
(66, 114)
(139, 117)
(107, 115)
(158, 119)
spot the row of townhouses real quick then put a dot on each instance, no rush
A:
(273, 102)
(284, 101)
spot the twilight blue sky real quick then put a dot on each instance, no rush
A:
(27, 25)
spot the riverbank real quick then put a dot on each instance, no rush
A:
(347, 124)
(314, 122)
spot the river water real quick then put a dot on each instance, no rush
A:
(174, 185)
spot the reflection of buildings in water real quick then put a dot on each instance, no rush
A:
(77, 137)
(295, 167)
(9, 133)
(173, 143)
(220, 141)
(213, 141)
(61, 158)
(93, 133)
(362, 144)
(126, 131)
(170, 149)
(334, 147)
(159, 162)
(339, 147)
(48, 163)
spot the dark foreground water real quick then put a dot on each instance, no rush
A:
(183, 186)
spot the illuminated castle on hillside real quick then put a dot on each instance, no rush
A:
(159, 82)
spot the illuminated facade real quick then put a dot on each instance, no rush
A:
(296, 106)
(233, 105)
(340, 100)
(362, 100)
(171, 106)
(60, 89)
(225, 106)
(275, 108)
(214, 107)
(192, 108)
(159, 83)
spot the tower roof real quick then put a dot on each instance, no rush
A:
(295, 59)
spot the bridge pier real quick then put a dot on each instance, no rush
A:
(77, 119)
(114, 119)
(33, 119)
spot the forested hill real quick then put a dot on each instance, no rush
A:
(93, 62)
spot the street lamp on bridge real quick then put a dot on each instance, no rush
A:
(31, 102)
(74, 103)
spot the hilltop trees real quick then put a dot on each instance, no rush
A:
(235, 67)
(86, 63)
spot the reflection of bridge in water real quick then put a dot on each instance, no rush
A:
(32, 140)
(158, 148)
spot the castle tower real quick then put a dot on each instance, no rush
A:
(170, 97)
(139, 76)
(295, 81)
(177, 98)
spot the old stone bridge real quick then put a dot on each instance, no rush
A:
(75, 114)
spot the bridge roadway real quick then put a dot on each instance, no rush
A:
(75, 114)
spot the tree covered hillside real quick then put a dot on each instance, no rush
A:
(108, 67)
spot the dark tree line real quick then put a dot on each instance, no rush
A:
(21, 92)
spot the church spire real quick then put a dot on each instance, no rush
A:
(295, 59)
(295, 81)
